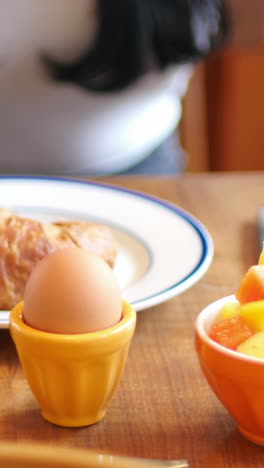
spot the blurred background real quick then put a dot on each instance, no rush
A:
(186, 118)
(222, 127)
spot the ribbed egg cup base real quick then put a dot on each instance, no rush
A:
(72, 422)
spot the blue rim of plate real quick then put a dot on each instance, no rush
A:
(205, 238)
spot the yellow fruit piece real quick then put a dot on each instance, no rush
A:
(228, 311)
(261, 258)
(253, 314)
(253, 346)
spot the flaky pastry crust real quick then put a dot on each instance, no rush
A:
(24, 242)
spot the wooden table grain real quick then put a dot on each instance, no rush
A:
(163, 407)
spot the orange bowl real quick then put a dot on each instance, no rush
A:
(236, 379)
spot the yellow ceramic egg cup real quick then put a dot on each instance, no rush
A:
(73, 377)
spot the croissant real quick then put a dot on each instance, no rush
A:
(24, 242)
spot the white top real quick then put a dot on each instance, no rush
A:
(49, 127)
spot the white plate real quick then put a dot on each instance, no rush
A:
(163, 250)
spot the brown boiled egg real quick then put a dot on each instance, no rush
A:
(72, 291)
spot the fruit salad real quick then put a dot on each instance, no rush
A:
(240, 325)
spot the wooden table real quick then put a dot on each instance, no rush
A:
(163, 407)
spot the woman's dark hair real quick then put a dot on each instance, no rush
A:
(135, 35)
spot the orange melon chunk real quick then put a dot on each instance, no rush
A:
(230, 332)
(251, 288)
